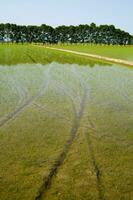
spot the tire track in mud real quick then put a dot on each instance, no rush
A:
(31, 58)
(93, 160)
(12, 115)
(59, 161)
(90, 146)
(95, 166)
(27, 103)
(17, 90)
(20, 92)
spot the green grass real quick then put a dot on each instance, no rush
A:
(22, 54)
(46, 95)
(121, 52)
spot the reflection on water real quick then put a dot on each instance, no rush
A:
(59, 102)
(107, 89)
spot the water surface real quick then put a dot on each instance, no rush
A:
(38, 106)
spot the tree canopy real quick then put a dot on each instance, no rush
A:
(103, 34)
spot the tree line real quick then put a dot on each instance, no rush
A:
(103, 34)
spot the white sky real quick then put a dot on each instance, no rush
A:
(66, 12)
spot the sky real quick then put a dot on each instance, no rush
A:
(68, 12)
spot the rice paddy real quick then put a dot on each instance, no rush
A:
(66, 126)
(112, 51)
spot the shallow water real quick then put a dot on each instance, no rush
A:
(56, 96)
(109, 87)
(61, 87)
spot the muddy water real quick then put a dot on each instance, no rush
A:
(99, 99)
(107, 87)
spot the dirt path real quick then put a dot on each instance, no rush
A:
(59, 161)
(104, 58)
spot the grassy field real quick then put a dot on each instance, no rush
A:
(115, 51)
(66, 126)
(21, 54)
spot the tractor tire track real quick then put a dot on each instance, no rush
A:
(95, 166)
(90, 146)
(20, 101)
(31, 58)
(93, 159)
(20, 92)
(59, 161)
(67, 93)
(13, 114)
(27, 103)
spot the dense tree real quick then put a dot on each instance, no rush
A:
(103, 34)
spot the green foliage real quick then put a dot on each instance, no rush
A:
(103, 34)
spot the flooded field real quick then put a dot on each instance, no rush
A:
(66, 130)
